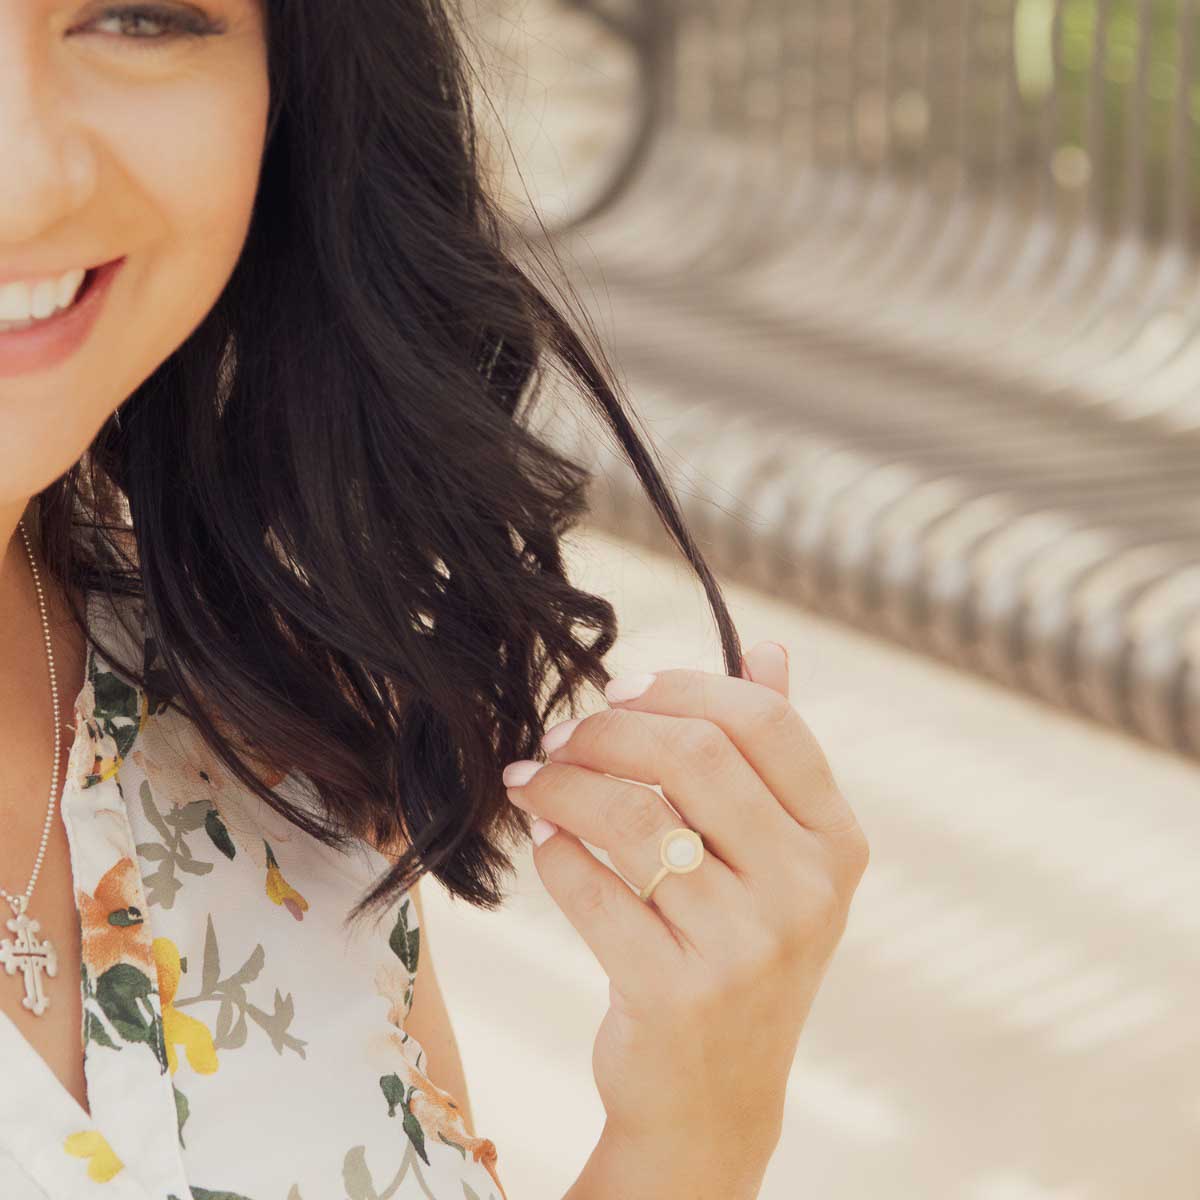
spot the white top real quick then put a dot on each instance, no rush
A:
(239, 1043)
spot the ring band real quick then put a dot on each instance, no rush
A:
(680, 851)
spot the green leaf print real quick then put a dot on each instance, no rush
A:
(123, 993)
(416, 1134)
(93, 1027)
(393, 1092)
(405, 942)
(182, 1112)
(218, 834)
(94, 1031)
(199, 1193)
(116, 709)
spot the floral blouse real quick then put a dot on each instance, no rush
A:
(239, 1042)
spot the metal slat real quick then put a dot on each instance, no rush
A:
(909, 288)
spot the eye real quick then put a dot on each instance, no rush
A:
(156, 23)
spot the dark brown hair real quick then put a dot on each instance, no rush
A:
(344, 537)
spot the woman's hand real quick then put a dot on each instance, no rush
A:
(713, 977)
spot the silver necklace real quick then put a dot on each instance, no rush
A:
(35, 957)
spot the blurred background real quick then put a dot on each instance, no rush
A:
(906, 294)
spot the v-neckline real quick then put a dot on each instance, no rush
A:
(44, 1100)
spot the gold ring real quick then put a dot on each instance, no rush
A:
(680, 851)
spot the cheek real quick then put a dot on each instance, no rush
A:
(190, 157)
(176, 164)
(195, 166)
(197, 163)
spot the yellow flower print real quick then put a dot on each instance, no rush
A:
(282, 892)
(178, 1028)
(91, 1144)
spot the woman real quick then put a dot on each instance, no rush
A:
(276, 527)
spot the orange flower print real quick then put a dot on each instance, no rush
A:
(431, 1114)
(280, 891)
(178, 1028)
(91, 1144)
(111, 921)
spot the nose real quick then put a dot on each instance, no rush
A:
(47, 167)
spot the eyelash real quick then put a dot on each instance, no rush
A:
(177, 23)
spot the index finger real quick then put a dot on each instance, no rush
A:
(764, 726)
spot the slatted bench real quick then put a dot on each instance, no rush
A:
(906, 291)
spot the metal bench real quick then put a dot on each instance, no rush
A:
(907, 291)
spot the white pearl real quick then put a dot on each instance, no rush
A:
(681, 852)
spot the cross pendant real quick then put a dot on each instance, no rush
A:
(30, 955)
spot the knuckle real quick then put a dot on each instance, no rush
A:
(850, 851)
(817, 908)
(589, 898)
(613, 722)
(858, 849)
(699, 744)
(770, 711)
(636, 813)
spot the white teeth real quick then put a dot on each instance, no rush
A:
(44, 295)
(68, 285)
(24, 301)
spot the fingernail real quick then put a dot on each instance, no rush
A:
(557, 735)
(541, 829)
(776, 649)
(519, 773)
(627, 687)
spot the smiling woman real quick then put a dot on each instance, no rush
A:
(276, 523)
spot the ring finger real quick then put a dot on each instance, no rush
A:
(628, 821)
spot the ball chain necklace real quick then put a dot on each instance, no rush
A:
(35, 957)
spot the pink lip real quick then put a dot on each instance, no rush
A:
(51, 341)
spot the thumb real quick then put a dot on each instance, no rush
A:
(767, 663)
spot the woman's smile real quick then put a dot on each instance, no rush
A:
(131, 132)
(40, 342)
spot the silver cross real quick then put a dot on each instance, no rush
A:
(28, 954)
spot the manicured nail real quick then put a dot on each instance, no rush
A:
(519, 773)
(781, 650)
(557, 735)
(541, 829)
(627, 687)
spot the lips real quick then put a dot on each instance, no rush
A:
(88, 279)
(52, 341)
(103, 271)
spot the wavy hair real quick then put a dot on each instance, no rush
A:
(342, 534)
